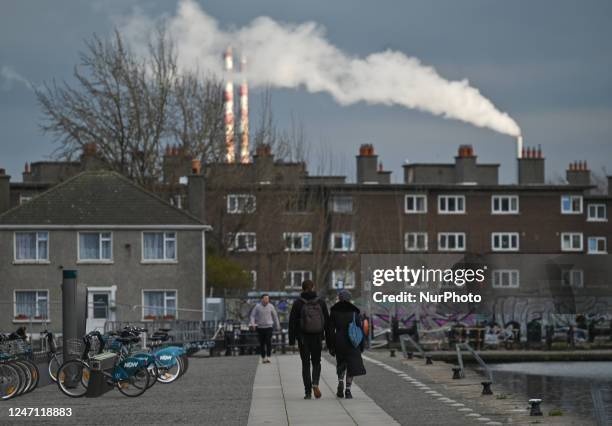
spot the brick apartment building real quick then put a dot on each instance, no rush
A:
(545, 244)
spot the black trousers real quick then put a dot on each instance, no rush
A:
(265, 341)
(310, 352)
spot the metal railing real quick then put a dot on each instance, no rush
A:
(483, 365)
(602, 403)
(403, 338)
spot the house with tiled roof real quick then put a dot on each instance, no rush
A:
(139, 257)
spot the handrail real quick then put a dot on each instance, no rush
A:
(602, 403)
(468, 348)
(403, 338)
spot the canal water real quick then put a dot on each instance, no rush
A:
(564, 385)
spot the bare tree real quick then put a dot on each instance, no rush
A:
(130, 107)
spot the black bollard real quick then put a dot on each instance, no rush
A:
(456, 373)
(392, 354)
(428, 360)
(535, 407)
(486, 388)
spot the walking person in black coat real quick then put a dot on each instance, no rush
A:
(308, 324)
(348, 357)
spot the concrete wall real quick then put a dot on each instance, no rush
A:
(127, 273)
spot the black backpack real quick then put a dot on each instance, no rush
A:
(311, 316)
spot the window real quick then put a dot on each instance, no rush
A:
(505, 204)
(298, 203)
(571, 204)
(415, 241)
(572, 278)
(342, 241)
(240, 203)
(253, 275)
(571, 241)
(31, 305)
(597, 245)
(415, 203)
(24, 199)
(159, 246)
(505, 241)
(159, 304)
(294, 279)
(343, 279)
(451, 241)
(342, 204)
(597, 213)
(451, 204)
(506, 278)
(298, 241)
(32, 246)
(243, 241)
(95, 246)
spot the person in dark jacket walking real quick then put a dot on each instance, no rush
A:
(308, 322)
(348, 357)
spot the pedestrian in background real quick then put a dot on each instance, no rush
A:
(348, 356)
(308, 325)
(264, 318)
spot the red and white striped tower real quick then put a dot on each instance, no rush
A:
(230, 155)
(244, 113)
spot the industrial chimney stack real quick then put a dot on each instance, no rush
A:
(230, 155)
(244, 114)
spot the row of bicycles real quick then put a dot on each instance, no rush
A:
(116, 357)
(133, 369)
(18, 373)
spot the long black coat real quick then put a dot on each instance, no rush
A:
(341, 315)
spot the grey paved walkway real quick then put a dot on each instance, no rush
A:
(278, 395)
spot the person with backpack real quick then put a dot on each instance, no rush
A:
(308, 322)
(346, 342)
(264, 318)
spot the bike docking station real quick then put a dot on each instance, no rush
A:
(74, 319)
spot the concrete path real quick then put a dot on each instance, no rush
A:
(278, 398)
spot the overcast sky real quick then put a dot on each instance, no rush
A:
(547, 63)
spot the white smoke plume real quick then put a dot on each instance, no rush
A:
(10, 76)
(294, 56)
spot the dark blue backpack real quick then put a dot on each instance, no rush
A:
(355, 332)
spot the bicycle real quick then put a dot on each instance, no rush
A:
(55, 359)
(129, 374)
(19, 353)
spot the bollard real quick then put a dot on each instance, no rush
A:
(428, 360)
(456, 373)
(486, 388)
(392, 354)
(409, 355)
(535, 407)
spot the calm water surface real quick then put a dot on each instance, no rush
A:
(566, 385)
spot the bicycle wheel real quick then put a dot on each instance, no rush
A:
(34, 373)
(54, 365)
(136, 384)
(9, 381)
(185, 360)
(153, 374)
(24, 376)
(73, 378)
(170, 374)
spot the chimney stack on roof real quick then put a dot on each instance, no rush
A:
(578, 173)
(531, 166)
(5, 191)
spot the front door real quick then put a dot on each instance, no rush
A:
(98, 309)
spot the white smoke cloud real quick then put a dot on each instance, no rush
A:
(293, 56)
(9, 76)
